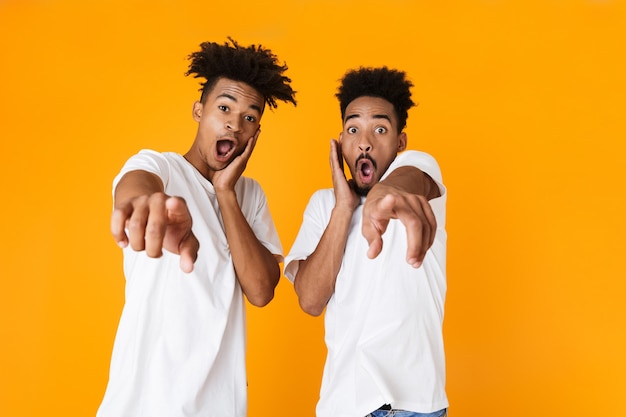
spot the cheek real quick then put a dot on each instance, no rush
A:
(349, 158)
(389, 151)
(250, 129)
(210, 123)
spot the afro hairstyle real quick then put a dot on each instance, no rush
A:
(389, 84)
(254, 65)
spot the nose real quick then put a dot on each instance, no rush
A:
(233, 124)
(365, 142)
(365, 147)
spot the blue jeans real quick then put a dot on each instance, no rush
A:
(403, 413)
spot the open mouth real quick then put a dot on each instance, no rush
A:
(365, 167)
(224, 149)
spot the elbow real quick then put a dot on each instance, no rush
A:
(261, 300)
(310, 307)
(314, 311)
(312, 299)
(262, 294)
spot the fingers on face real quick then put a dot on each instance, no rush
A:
(337, 168)
(334, 154)
(251, 143)
(243, 158)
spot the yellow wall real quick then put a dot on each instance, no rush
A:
(522, 102)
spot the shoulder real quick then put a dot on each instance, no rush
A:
(248, 185)
(151, 160)
(323, 196)
(421, 160)
(249, 191)
(321, 201)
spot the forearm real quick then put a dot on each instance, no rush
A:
(136, 183)
(315, 281)
(257, 270)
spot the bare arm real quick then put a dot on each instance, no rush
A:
(403, 195)
(315, 280)
(257, 269)
(153, 219)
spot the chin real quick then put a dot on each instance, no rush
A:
(362, 191)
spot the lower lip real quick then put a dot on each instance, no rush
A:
(367, 180)
(222, 157)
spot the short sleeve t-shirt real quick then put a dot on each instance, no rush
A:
(180, 344)
(383, 324)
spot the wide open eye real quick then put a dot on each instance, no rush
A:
(351, 130)
(380, 130)
(250, 118)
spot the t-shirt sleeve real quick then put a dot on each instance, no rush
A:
(145, 160)
(263, 225)
(426, 163)
(421, 160)
(315, 219)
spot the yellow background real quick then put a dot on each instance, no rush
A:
(522, 103)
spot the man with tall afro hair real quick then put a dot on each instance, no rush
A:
(197, 237)
(384, 303)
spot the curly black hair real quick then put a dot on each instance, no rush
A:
(254, 65)
(389, 84)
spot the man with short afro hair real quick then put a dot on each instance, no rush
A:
(371, 253)
(197, 237)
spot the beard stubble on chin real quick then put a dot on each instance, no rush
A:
(362, 191)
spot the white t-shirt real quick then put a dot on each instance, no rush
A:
(180, 345)
(384, 321)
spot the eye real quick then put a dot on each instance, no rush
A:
(222, 107)
(351, 130)
(251, 119)
(381, 130)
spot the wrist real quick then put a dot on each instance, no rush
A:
(343, 211)
(224, 194)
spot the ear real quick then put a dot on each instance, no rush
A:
(196, 111)
(402, 139)
(340, 137)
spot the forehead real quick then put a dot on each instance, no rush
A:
(368, 108)
(237, 91)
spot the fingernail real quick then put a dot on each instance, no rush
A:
(414, 263)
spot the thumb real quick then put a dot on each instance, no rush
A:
(373, 233)
(177, 211)
(189, 247)
(184, 241)
(375, 247)
(375, 224)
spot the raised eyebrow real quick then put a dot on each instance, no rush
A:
(376, 116)
(382, 116)
(257, 108)
(228, 96)
(352, 116)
